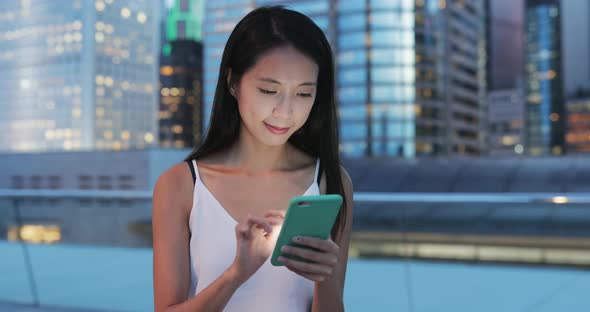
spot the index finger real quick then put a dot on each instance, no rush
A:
(261, 222)
(274, 213)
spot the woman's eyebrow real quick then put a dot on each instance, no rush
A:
(266, 79)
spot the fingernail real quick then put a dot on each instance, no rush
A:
(281, 259)
(284, 249)
(297, 238)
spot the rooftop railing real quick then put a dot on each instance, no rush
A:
(87, 236)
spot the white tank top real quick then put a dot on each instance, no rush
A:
(213, 249)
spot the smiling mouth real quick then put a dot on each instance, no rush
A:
(276, 130)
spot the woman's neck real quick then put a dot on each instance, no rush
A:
(254, 157)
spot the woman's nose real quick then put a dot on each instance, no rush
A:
(283, 108)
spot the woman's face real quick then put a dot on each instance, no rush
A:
(276, 95)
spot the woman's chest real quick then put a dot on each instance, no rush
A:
(241, 196)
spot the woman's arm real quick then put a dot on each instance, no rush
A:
(172, 201)
(328, 294)
(328, 261)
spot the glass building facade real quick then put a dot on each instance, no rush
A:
(78, 75)
(544, 118)
(408, 73)
(219, 20)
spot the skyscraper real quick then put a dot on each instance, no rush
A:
(219, 20)
(183, 20)
(78, 74)
(576, 73)
(448, 114)
(180, 118)
(410, 75)
(505, 44)
(575, 42)
(505, 70)
(544, 108)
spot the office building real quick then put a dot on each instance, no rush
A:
(78, 75)
(575, 42)
(544, 108)
(180, 117)
(505, 118)
(578, 125)
(505, 43)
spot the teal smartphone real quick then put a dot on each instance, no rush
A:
(311, 216)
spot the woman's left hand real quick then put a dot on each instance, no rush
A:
(322, 262)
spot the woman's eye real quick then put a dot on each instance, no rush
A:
(305, 94)
(264, 91)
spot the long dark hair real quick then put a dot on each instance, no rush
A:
(258, 32)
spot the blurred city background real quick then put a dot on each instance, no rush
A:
(465, 125)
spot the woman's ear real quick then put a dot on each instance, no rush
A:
(231, 86)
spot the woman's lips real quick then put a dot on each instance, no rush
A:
(276, 130)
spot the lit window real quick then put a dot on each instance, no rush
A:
(148, 137)
(49, 134)
(177, 129)
(141, 17)
(108, 81)
(125, 12)
(35, 233)
(99, 5)
(166, 70)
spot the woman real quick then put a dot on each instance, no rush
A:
(273, 127)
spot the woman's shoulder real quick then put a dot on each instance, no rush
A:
(179, 175)
(346, 183)
(175, 186)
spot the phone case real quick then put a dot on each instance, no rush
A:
(311, 216)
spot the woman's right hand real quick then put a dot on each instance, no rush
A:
(255, 241)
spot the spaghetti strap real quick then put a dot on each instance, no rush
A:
(191, 165)
(318, 171)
